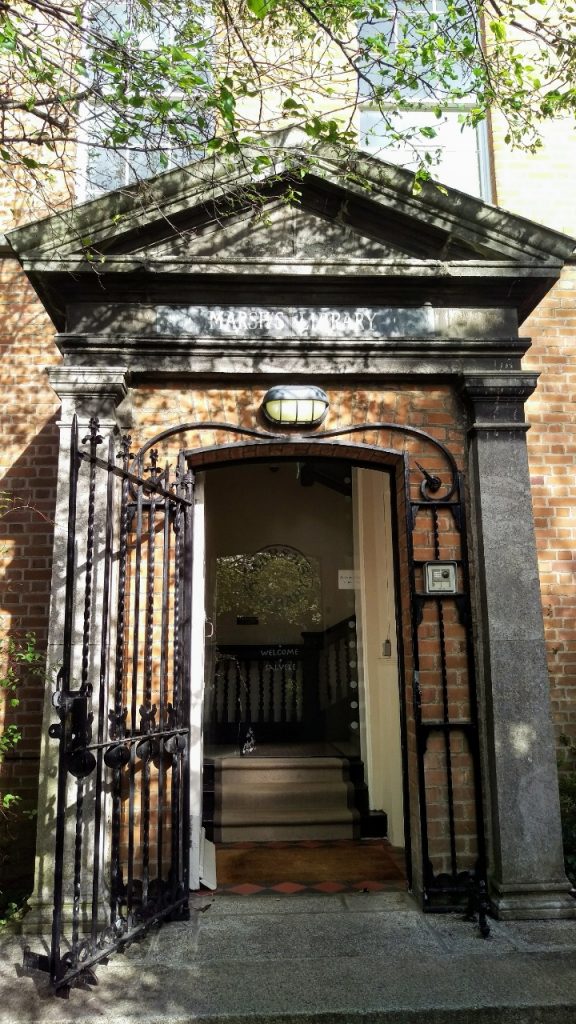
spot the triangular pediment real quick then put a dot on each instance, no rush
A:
(287, 230)
(319, 212)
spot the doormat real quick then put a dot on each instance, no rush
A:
(319, 866)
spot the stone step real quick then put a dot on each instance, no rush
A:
(279, 769)
(283, 798)
(371, 958)
(278, 832)
(289, 796)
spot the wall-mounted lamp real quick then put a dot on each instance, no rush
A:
(295, 405)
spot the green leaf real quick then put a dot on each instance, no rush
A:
(498, 27)
(260, 8)
(291, 104)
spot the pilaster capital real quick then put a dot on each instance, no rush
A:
(87, 391)
(496, 399)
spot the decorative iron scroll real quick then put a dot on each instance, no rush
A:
(431, 483)
(122, 702)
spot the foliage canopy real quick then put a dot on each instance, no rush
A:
(151, 85)
(272, 585)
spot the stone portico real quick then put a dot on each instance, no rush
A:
(187, 300)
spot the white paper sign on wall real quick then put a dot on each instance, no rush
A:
(348, 579)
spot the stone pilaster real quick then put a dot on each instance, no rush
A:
(84, 392)
(526, 866)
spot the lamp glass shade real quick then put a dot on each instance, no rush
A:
(296, 405)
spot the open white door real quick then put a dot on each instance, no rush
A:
(380, 729)
(202, 851)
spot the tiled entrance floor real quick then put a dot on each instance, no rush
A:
(309, 866)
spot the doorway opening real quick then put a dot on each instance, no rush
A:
(303, 771)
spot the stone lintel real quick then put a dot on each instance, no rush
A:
(216, 358)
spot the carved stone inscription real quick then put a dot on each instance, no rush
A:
(357, 322)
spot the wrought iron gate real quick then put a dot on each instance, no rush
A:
(122, 818)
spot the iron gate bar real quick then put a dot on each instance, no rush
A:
(60, 731)
(163, 662)
(445, 707)
(136, 738)
(147, 485)
(138, 512)
(147, 709)
(103, 683)
(118, 719)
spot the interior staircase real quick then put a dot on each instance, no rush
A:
(266, 799)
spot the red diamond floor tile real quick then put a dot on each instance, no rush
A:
(288, 888)
(328, 887)
(246, 889)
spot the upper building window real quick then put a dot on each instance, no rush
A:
(120, 142)
(414, 90)
(415, 93)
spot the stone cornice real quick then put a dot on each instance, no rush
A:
(87, 391)
(220, 359)
(498, 385)
(496, 400)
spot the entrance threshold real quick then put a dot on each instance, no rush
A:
(330, 867)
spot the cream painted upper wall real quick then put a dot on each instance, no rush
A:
(538, 186)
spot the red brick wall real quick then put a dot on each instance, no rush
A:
(435, 410)
(552, 449)
(28, 458)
